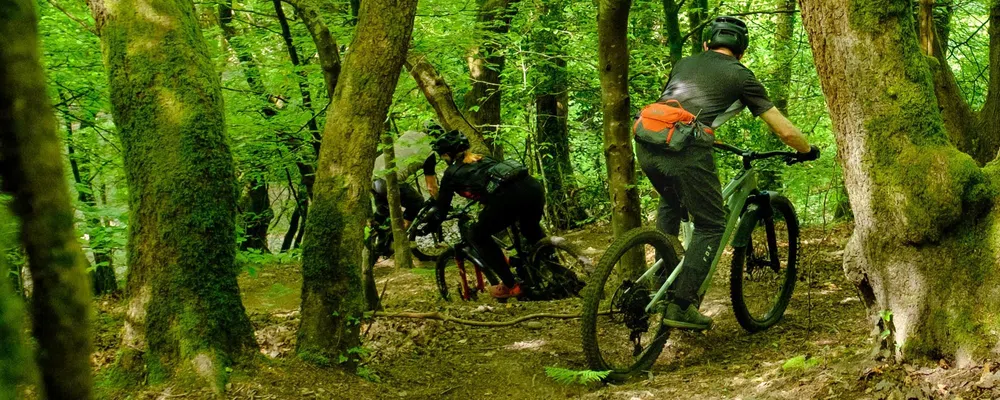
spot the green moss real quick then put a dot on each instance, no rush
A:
(870, 15)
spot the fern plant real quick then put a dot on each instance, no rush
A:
(569, 376)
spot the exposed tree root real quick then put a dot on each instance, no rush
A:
(448, 318)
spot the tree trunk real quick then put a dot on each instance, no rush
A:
(975, 134)
(400, 241)
(442, 99)
(332, 302)
(102, 276)
(293, 227)
(256, 215)
(697, 14)
(255, 210)
(612, 50)
(785, 56)
(326, 45)
(14, 356)
(486, 63)
(672, 30)
(184, 314)
(923, 245)
(989, 116)
(31, 171)
(552, 110)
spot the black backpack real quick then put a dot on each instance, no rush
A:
(502, 172)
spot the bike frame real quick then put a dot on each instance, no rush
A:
(735, 196)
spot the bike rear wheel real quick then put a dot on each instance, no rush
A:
(619, 335)
(762, 275)
(560, 271)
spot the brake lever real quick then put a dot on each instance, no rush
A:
(792, 160)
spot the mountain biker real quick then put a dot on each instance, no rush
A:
(714, 86)
(506, 190)
(413, 153)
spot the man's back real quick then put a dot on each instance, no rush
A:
(715, 87)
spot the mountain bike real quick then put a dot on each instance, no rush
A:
(623, 327)
(425, 246)
(548, 270)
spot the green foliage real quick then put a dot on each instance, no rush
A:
(799, 363)
(570, 377)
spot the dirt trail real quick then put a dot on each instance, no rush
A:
(424, 359)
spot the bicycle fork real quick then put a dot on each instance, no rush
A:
(480, 285)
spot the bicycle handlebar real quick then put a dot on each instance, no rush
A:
(749, 155)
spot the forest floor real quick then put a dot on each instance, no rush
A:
(430, 359)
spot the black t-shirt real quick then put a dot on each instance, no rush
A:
(468, 180)
(715, 87)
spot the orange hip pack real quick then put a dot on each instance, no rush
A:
(672, 127)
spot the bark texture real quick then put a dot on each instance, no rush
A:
(184, 313)
(613, 56)
(925, 241)
(31, 170)
(332, 302)
(486, 63)
(442, 99)
(400, 241)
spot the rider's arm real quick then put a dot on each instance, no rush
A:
(785, 131)
(443, 201)
(430, 177)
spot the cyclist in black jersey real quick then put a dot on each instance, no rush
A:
(714, 86)
(507, 192)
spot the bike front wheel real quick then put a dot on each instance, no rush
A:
(457, 277)
(762, 275)
(619, 334)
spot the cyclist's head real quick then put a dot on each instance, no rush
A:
(728, 32)
(433, 129)
(450, 145)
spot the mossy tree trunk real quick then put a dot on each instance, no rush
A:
(551, 112)
(442, 100)
(613, 56)
(31, 170)
(926, 233)
(332, 302)
(400, 241)
(184, 314)
(486, 64)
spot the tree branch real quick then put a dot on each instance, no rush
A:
(82, 23)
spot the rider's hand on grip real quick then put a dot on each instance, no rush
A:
(811, 155)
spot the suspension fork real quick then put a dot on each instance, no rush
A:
(480, 284)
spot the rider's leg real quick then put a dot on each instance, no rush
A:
(689, 176)
(701, 194)
(411, 202)
(494, 218)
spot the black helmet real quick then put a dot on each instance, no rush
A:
(451, 143)
(728, 32)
